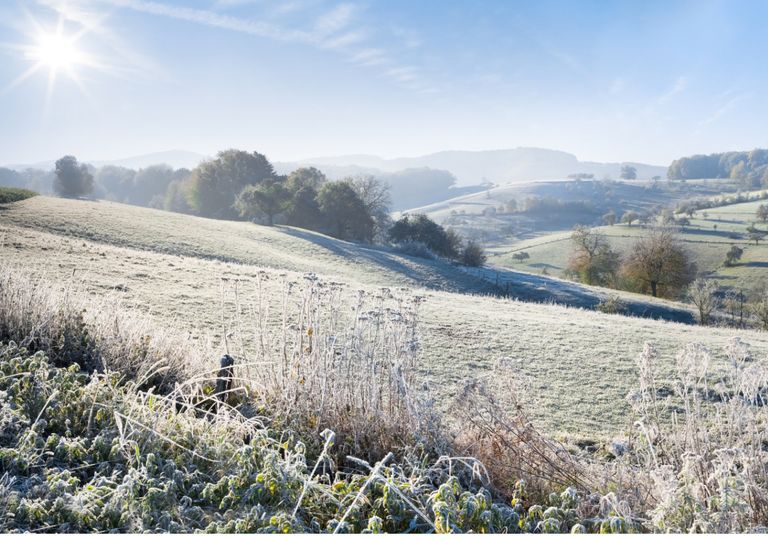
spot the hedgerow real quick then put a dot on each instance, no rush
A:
(9, 194)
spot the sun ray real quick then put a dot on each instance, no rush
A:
(21, 78)
(49, 90)
(76, 79)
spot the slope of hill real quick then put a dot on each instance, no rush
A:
(171, 267)
(284, 248)
(484, 215)
(470, 167)
(709, 236)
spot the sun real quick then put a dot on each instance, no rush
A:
(56, 52)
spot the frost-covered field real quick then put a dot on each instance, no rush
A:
(577, 365)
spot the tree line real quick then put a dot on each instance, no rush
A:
(751, 168)
(240, 185)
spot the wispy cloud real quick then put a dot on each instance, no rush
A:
(217, 20)
(617, 86)
(679, 86)
(336, 29)
(405, 74)
(335, 20)
(370, 57)
(729, 105)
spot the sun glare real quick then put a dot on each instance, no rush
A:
(55, 51)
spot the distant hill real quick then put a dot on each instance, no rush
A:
(470, 167)
(174, 158)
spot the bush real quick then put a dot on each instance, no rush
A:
(473, 254)
(419, 228)
(733, 255)
(613, 305)
(416, 249)
(521, 256)
(9, 195)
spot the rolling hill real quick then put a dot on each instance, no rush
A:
(484, 215)
(175, 267)
(499, 166)
(174, 158)
(709, 236)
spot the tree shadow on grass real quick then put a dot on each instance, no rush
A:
(427, 273)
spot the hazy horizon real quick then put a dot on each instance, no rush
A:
(115, 78)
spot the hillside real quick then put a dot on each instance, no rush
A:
(172, 267)
(484, 215)
(709, 236)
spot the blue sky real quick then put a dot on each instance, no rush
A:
(606, 80)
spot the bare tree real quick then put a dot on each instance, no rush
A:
(609, 218)
(592, 258)
(703, 294)
(735, 304)
(375, 195)
(759, 309)
(629, 217)
(659, 263)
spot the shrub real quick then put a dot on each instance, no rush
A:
(613, 305)
(419, 228)
(521, 256)
(703, 294)
(89, 453)
(416, 249)
(734, 255)
(473, 254)
(9, 195)
(758, 308)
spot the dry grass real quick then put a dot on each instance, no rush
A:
(321, 357)
(702, 451)
(328, 357)
(60, 320)
(495, 428)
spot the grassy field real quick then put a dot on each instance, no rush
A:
(180, 270)
(707, 238)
